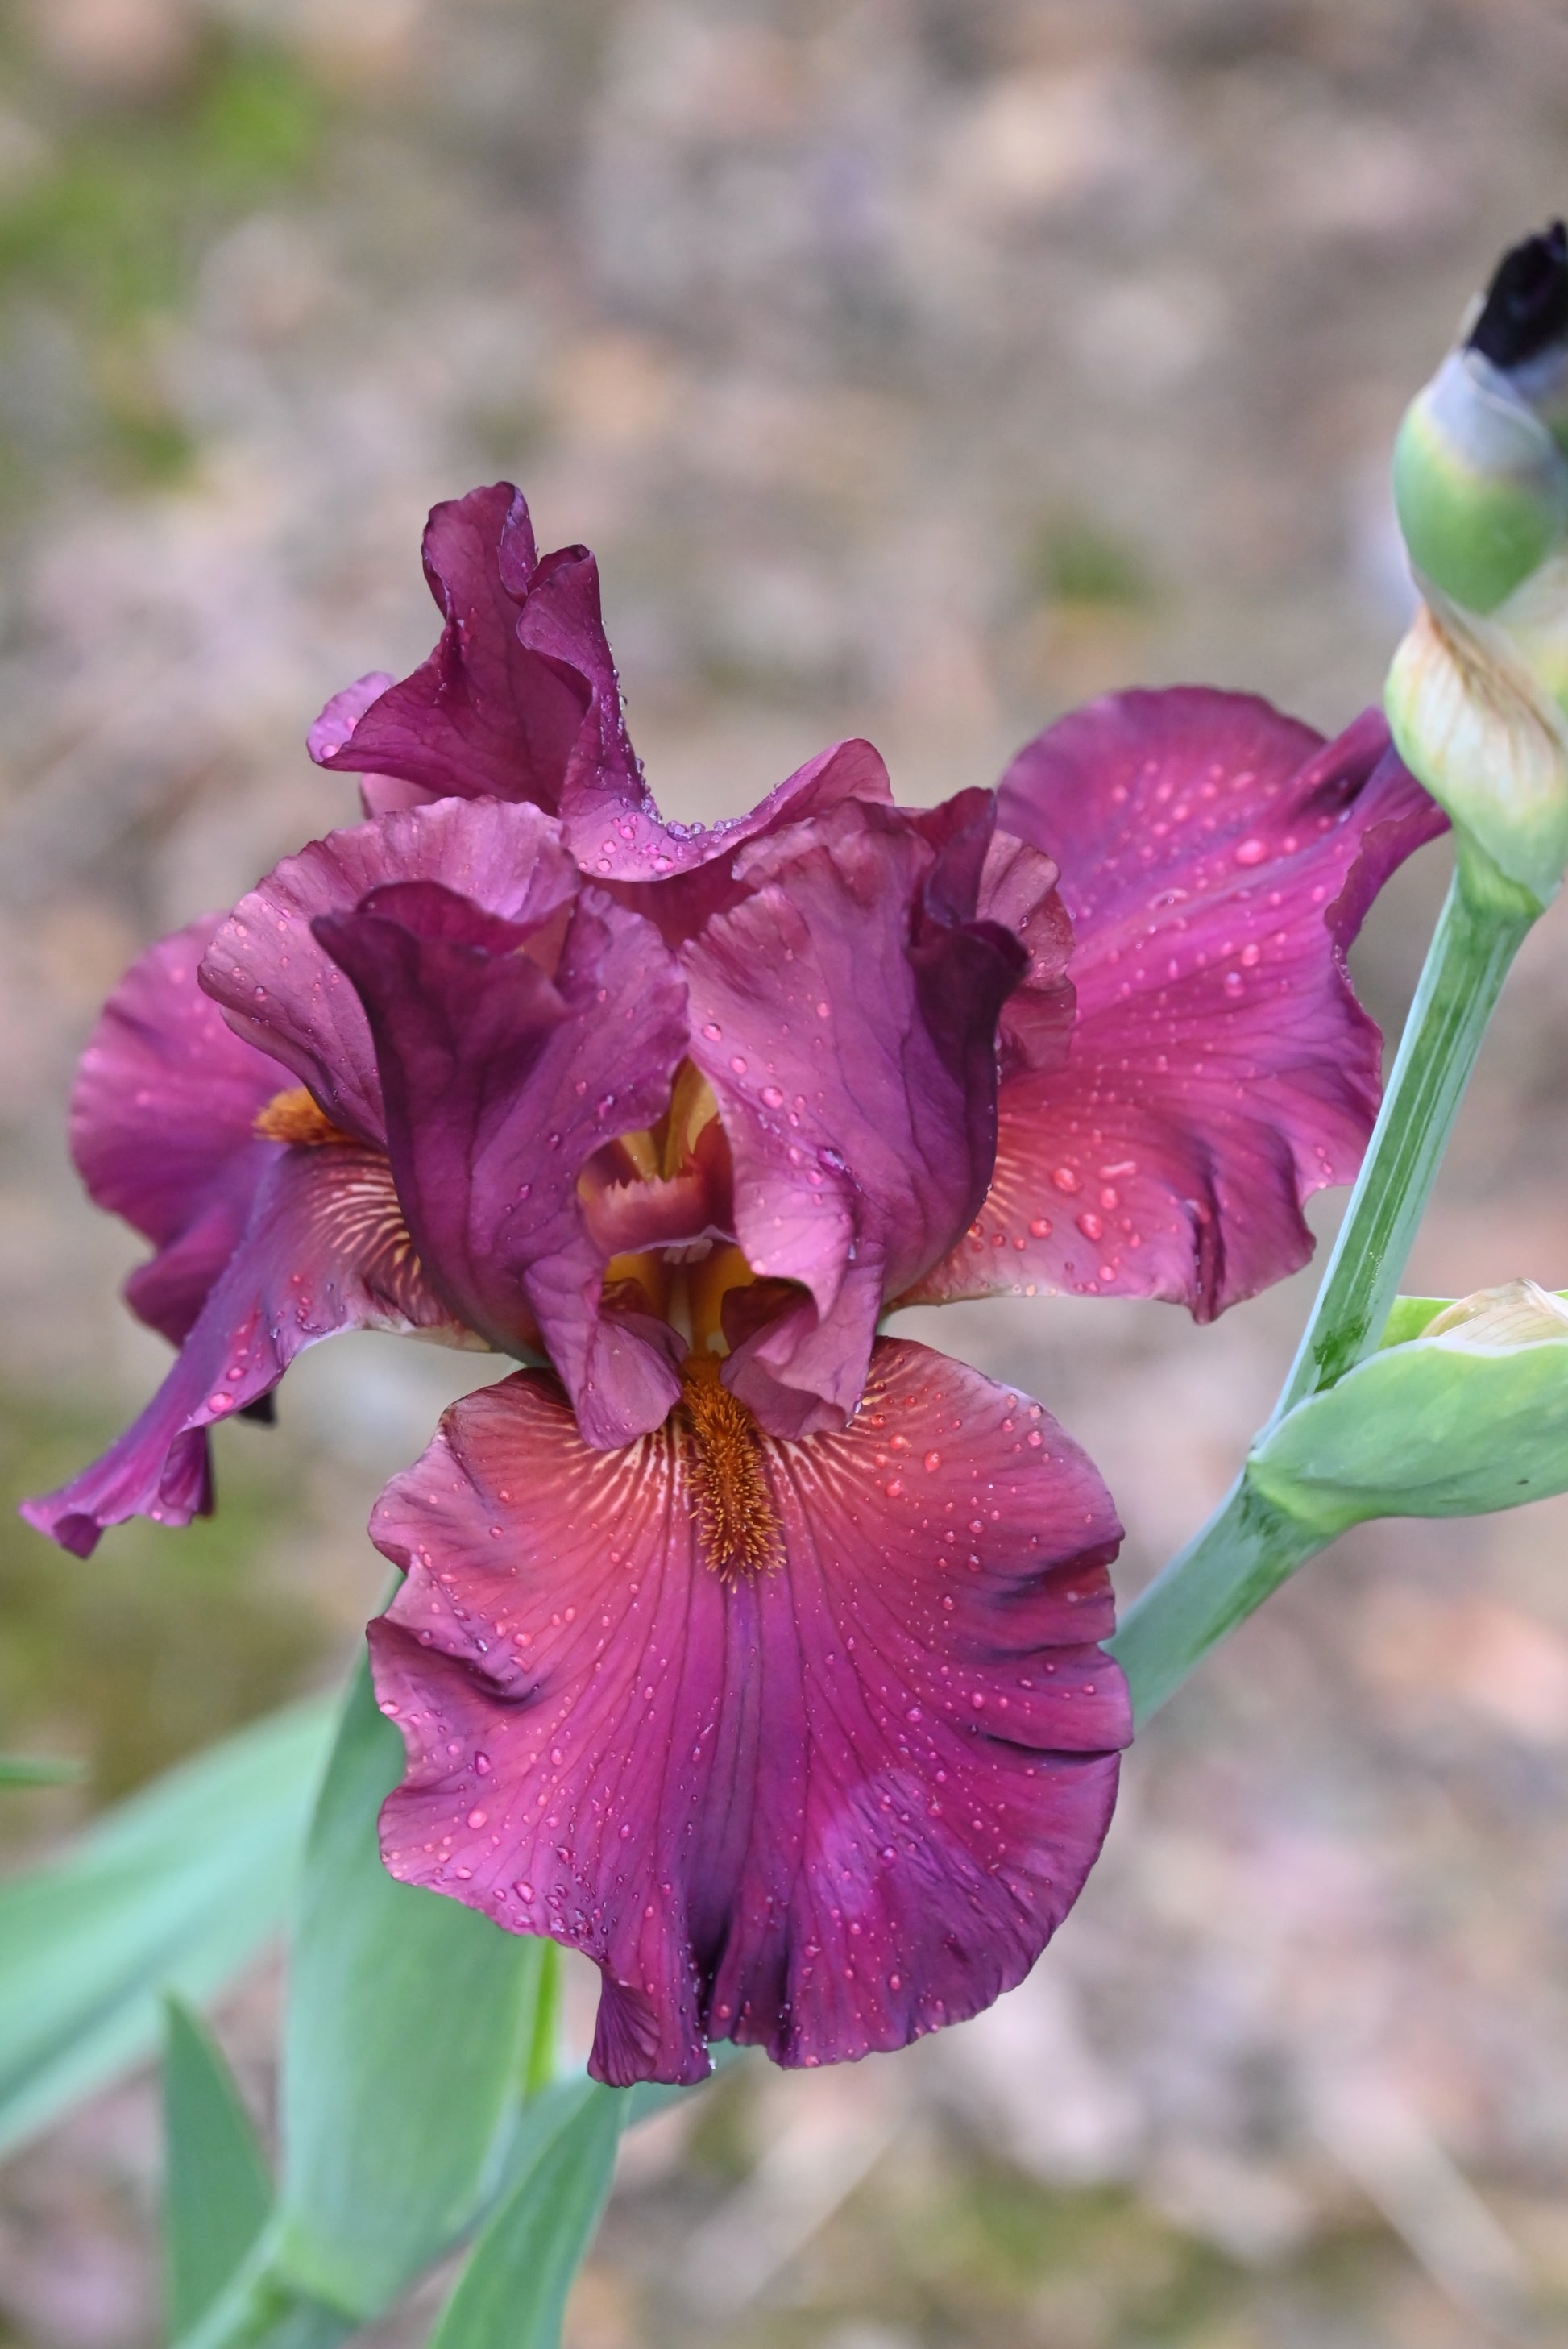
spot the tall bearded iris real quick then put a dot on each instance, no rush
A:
(751, 1651)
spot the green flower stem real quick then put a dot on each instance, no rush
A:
(1472, 949)
(1248, 1546)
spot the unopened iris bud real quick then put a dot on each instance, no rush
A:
(1462, 1410)
(1478, 693)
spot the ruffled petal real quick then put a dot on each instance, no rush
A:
(284, 994)
(163, 1126)
(325, 1250)
(821, 1806)
(484, 716)
(520, 700)
(1217, 859)
(500, 1078)
(845, 1015)
(1018, 889)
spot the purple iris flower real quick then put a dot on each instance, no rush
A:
(749, 1650)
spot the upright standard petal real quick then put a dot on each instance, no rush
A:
(484, 716)
(520, 700)
(822, 1797)
(845, 1015)
(1217, 859)
(502, 1076)
(283, 992)
(163, 1126)
(325, 1250)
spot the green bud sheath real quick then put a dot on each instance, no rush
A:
(1467, 1417)
(1480, 486)
(1478, 693)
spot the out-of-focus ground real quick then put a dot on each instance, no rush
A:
(916, 367)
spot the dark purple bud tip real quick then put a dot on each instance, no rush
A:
(1526, 305)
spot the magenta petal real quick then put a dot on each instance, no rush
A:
(343, 713)
(163, 1126)
(325, 1250)
(520, 700)
(501, 1081)
(281, 991)
(845, 1015)
(822, 1808)
(483, 715)
(693, 870)
(1217, 859)
(1018, 889)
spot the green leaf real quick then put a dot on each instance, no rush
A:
(216, 2188)
(38, 1769)
(1469, 1417)
(406, 2039)
(175, 1889)
(512, 2292)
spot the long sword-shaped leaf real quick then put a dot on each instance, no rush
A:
(405, 2047)
(512, 2292)
(216, 2188)
(173, 1889)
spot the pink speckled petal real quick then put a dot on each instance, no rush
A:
(502, 1076)
(821, 1808)
(694, 869)
(163, 1126)
(284, 994)
(1217, 859)
(325, 1250)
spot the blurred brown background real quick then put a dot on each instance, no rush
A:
(916, 367)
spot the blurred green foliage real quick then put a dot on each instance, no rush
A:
(103, 233)
(1070, 559)
(161, 1641)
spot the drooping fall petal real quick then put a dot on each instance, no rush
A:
(1217, 859)
(163, 1126)
(501, 1080)
(284, 993)
(845, 1014)
(823, 1801)
(325, 1250)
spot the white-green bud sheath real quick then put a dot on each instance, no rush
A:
(1478, 692)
